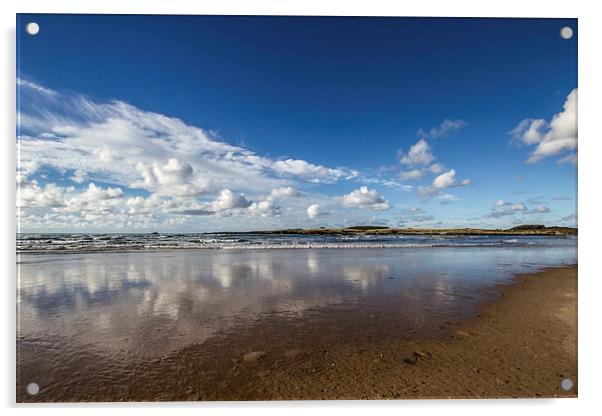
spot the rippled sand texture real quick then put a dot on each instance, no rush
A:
(270, 324)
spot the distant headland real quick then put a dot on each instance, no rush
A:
(528, 229)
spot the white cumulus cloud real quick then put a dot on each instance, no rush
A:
(265, 208)
(173, 178)
(228, 200)
(313, 211)
(93, 193)
(284, 192)
(556, 137)
(419, 154)
(448, 180)
(31, 194)
(440, 183)
(364, 198)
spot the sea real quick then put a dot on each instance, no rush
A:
(160, 241)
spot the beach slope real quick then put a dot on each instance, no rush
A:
(521, 345)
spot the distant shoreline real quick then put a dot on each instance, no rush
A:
(358, 237)
(378, 230)
(529, 230)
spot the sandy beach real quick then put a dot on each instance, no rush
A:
(522, 344)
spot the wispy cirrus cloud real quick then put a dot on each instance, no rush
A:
(180, 168)
(502, 208)
(23, 83)
(415, 216)
(443, 129)
(411, 175)
(122, 144)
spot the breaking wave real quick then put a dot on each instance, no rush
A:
(255, 241)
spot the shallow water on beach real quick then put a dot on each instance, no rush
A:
(128, 306)
(149, 303)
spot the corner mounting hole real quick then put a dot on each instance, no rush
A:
(33, 389)
(566, 384)
(32, 28)
(566, 32)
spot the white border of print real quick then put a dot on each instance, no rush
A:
(590, 34)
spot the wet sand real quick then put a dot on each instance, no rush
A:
(520, 345)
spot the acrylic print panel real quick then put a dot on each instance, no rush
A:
(290, 208)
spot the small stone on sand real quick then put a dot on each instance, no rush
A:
(416, 357)
(253, 356)
(412, 360)
(292, 353)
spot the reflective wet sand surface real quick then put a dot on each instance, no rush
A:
(168, 325)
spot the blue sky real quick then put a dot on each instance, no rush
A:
(204, 123)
